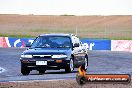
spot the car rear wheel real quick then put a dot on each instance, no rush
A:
(70, 68)
(86, 63)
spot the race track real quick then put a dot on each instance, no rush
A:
(99, 62)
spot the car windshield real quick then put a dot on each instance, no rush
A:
(52, 42)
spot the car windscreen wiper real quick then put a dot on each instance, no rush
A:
(63, 47)
(40, 47)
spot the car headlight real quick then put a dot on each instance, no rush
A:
(59, 56)
(26, 56)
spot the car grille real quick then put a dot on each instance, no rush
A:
(41, 56)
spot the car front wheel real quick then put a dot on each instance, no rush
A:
(70, 68)
(24, 70)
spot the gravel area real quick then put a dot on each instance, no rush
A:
(60, 84)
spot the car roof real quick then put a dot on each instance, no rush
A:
(56, 34)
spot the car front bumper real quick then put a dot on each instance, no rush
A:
(51, 63)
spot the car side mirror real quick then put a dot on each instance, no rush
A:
(76, 45)
(28, 44)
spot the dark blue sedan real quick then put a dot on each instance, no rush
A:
(53, 51)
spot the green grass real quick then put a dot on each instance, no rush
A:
(91, 33)
(112, 38)
(31, 36)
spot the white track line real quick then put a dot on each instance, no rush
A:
(37, 80)
(2, 69)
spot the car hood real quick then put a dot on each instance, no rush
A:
(48, 51)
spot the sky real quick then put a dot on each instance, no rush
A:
(69, 7)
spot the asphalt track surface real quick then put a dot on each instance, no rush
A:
(101, 62)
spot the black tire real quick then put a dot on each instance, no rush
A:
(86, 63)
(70, 67)
(41, 71)
(24, 69)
